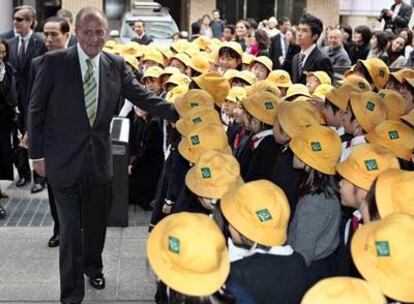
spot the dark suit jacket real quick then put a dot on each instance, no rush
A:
(316, 61)
(7, 35)
(59, 129)
(35, 48)
(403, 17)
(275, 50)
(145, 39)
(72, 40)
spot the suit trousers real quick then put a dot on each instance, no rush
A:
(53, 211)
(82, 209)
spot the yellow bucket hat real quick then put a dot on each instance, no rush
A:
(343, 290)
(394, 135)
(394, 192)
(264, 60)
(247, 76)
(183, 58)
(296, 90)
(231, 73)
(262, 106)
(383, 252)
(341, 95)
(169, 71)
(207, 137)
(296, 116)
(247, 58)
(213, 174)
(132, 61)
(131, 48)
(236, 95)
(263, 86)
(188, 252)
(202, 42)
(357, 81)
(176, 92)
(164, 50)
(199, 63)
(215, 84)
(394, 103)
(192, 51)
(195, 117)
(409, 118)
(153, 55)
(110, 45)
(153, 71)
(193, 99)
(259, 210)
(378, 71)
(281, 78)
(369, 109)
(402, 74)
(322, 76)
(235, 46)
(180, 45)
(322, 90)
(365, 163)
(318, 147)
(178, 79)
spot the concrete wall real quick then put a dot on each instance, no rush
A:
(75, 5)
(327, 11)
(198, 8)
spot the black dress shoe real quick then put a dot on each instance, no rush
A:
(22, 182)
(2, 212)
(37, 188)
(98, 281)
(54, 241)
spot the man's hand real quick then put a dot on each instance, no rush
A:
(39, 167)
(390, 13)
(25, 141)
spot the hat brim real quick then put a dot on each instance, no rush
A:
(268, 237)
(256, 114)
(391, 285)
(408, 119)
(383, 192)
(358, 109)
(373, 137)
(185, 151)
(192, 284)
(296, 95)
(346, 172)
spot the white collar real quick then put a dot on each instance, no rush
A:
(358, 140)
(260, 136)
(340, 131)
(309, 50)
(357, 214)
(238, 253)
(27, 37)
(83, 57)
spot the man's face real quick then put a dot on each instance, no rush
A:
(139, 28)
(216, 15)
(54, 38)
(285, 26)
(227, 34)
(21, 23)
(305, 37)
(397, 1)
(334, 40)
(358, 38)
(91, 34)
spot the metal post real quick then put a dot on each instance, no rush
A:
(275, 8)
(245, 9)
(6, 14)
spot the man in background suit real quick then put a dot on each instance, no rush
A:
(310, 58)
(142, 37)
(75, 94)
(278, 43)
(397, 17)
(23, 48)
(66, 14)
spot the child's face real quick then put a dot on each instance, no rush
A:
(228, 108)
(179, 65)
(227, 36)
(312, 83)
(351, 195)
(254, 125)
(238, 114)
(227, 62)
(259, 70)
(152, 84)
(406, 93)
(332, 119)
(279, 134)
(350, 125)
(298, 164)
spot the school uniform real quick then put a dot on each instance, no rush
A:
(348, 146)
(279, 275)
(346, 142)
(286, 177)
(264, 155)
(187, 201)
(232, 131)
(242, 151)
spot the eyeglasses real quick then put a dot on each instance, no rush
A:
(19, 19)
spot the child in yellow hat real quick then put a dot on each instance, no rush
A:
(282, 80)
(233, 100)
(151, 80)
(358, 173)
(180, 61)
(261, 67)
(314, 229)
(152, 58)
(315, 79)
(230, 56)
(255, 218)
(259, 151)
(406, 89)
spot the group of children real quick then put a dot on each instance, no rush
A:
(273, 192)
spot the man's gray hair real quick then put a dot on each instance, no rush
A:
(86, 11)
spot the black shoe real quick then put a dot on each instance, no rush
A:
(22, 182)
(2, 212)
(37, 188)
(54, 241)
(98, 281)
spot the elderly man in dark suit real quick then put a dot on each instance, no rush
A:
(310, 58)
(75, 94)
(23, 48)
(398, 16)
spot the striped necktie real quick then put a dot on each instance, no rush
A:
(90, 92)
(300, 62)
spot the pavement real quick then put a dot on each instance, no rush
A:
(29, 270)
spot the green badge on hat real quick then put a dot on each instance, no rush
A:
(382, 73)
(194, 105)
(206, 172)
(383, 248)
(269, 105)
(282, 77)
(173, 244)
(382, 95)
(197, 120)
(195, 140)
(371, 164)
(362, 85)
(316, 146)
(370, 106)
(393, 135)
(264, 215)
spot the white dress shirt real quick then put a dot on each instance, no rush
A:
(307, 53)
(26, 40)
